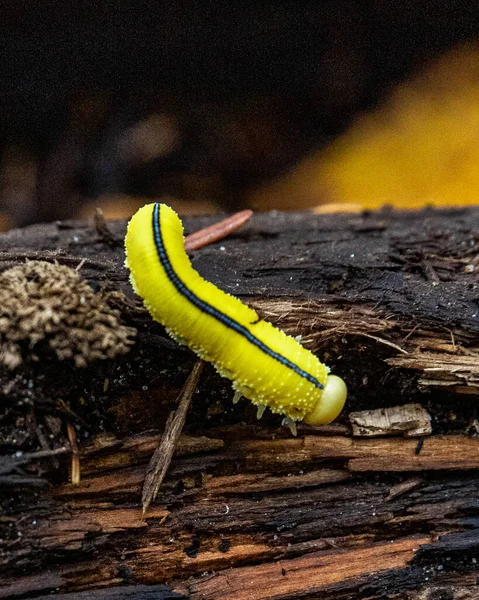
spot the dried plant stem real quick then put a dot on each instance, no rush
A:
(217, 231)
(161, 459)
(75, 464)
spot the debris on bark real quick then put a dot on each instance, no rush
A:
(411, 420)
(50, 306)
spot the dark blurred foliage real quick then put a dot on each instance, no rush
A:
(197, 100)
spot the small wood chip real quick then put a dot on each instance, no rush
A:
(103, 230)
(412, 420)
(404, 487)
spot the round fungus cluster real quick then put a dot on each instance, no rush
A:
(50, 307)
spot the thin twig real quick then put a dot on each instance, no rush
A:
(45, 453)
(80, 264)
(103, 230)
(383, 341)
(161, 459)
(75, 465)
(217, 231)
(10, 462)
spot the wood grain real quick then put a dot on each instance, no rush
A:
(242, 499)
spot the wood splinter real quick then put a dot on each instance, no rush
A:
(217, 231)
(75, 461)
(103, 230)
(161, 459)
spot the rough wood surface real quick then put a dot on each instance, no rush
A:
(246, 511)
(410, 420)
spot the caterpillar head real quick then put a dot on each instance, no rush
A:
(330, 404)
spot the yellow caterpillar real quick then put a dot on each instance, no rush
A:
(265, 365)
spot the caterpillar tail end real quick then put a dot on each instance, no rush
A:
(330, 404)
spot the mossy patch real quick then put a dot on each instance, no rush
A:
(50, 307)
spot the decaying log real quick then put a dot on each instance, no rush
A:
(389, 300)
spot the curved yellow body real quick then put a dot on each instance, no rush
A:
(264, 364)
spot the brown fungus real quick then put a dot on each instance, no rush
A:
(44, 305)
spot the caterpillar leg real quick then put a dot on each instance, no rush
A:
(291, 423)
(330, 404)
(260, 410)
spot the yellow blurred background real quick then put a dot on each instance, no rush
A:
(419, 148)
(341, 106)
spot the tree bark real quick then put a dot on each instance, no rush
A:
(389, 300)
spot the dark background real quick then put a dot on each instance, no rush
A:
(250, 88)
